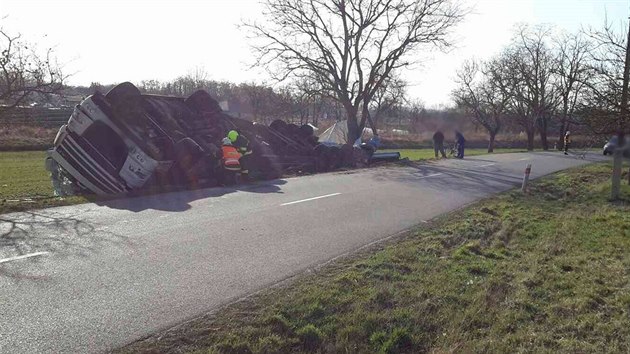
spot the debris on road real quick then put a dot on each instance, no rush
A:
(125, 140)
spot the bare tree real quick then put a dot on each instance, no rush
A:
(415, 112)
(151, 86)
(607, 98)
(571, 67)
(24, 72)
(261, 100)
(534, 61)
(481, 97)
(506, 74)
(311, 100)
(524, 74)
(604, 89)
(387, 99)
(350, 47)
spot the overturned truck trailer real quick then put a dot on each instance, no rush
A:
(125, 140)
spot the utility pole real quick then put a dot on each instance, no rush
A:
(618, 153)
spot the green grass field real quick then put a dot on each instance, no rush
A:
(25, 183)
(544, 272)
(429, 154)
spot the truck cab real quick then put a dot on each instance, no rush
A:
(103, 153)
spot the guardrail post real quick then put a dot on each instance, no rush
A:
(528, 170)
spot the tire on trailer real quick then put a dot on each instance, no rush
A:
(336, 157)
(347, 155)
(201, 101)
(126, 102)
(322, 162)
(306, 131)
(293, 130)
(122, 92)
(187, 153)
(263, 166)
(278, 125)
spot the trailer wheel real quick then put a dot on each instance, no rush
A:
(187, 153)
(336, 158)
(347, 155)
(322, 163)
(278, 125)
(122, 92)
(126, 102)
(306, 131)
(293, 130)
(201, 101)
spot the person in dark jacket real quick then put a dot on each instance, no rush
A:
(242, 144)
(461, 142)
(438, 144)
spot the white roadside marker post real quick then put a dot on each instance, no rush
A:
(528, 170)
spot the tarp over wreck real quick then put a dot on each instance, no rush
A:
(337, 134)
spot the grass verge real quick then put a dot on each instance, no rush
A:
(429, 154)
(25, 183)
(543, 272)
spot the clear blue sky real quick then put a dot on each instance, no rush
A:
(116, 40)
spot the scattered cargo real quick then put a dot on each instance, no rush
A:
(125, 140)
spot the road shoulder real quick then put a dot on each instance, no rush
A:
(547, 271)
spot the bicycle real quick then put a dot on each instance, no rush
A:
(587, 147)
(452, 149)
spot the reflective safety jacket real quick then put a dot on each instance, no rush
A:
(230, 158)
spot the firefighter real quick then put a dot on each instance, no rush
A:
(230, 165)
(242, 144)
(231, 156)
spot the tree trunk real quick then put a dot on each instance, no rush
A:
(618, 154)
(543, 140)
(354, 132)
(493, 135)
(543, 134)
(372, 124)
(530, 139)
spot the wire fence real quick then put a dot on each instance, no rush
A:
(35, 116)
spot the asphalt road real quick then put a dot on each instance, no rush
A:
(95, 277)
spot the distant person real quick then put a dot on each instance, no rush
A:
(567, 142)
(438, 144)
(461, 142)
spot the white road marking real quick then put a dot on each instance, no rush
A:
(22, 257)
(309, 199)
(524, 159)
(488, 165)
(433, 175)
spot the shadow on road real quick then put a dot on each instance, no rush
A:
(62, 234)
(180, 201)
(68, 235)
